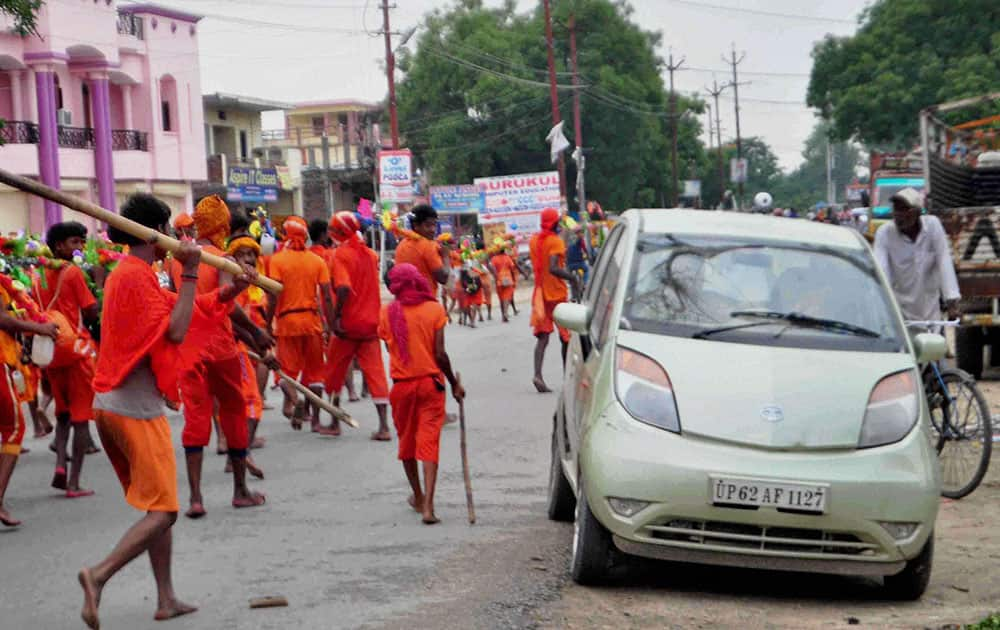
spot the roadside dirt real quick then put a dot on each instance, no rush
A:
(965, 584)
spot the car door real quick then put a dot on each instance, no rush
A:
(600, 300)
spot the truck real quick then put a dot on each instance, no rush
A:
(889, 174)
(961, 167)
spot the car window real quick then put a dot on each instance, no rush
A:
(603, 299)
(601, 264)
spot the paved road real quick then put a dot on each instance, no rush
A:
(336, 536)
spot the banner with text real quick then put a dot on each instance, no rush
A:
(464, 199)
(395, 179)
(518, 200)
(252, 185)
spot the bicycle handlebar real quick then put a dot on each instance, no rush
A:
(945, 323)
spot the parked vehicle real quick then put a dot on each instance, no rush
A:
(740, 390)
(963, 190)
(890, 173)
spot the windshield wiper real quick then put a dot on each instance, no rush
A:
(708, 332)
(806, 321)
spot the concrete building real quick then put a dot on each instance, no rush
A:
(102, 103)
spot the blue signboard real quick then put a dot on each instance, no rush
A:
(457, 199)
(254, 185)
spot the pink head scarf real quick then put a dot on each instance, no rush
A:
(410, 288)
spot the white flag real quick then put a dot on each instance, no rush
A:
(557, 141)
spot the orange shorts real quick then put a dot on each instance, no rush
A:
(340, 354)
(72, 390)
(301, 357)
(11, 418)
(142, 455)
(248, 379)
(418, 413)
(505, 294)
(543, 323)
(202, 386)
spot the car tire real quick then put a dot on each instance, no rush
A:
(969, 342)
(562, 502)
(593, 549)
(910, 583)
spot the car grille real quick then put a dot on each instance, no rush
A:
(739, 536)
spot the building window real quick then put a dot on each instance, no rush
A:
(243, 145)
(59, 94)
(168, 103)
(319, 125)
(88, 120)
(165, 105)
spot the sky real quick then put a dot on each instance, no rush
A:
(298, 50)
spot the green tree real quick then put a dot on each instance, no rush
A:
(474, 99)
(24, 14)
(906, 55)
(763, 172)
(806, 185)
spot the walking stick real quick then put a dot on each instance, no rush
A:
(336, 412)
(465, 460)
(137, 230)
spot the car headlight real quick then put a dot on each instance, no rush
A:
(892, 410)
(644, 389)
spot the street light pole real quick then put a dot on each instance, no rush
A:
(554, 92)
(390, 71)
(673, 126)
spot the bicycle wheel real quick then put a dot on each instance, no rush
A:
(960, 418)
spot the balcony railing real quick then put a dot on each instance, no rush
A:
(129, 140)
(129, 24)
(19, 132)
(76, 137)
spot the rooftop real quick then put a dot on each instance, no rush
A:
(221, 100)
(155, 9)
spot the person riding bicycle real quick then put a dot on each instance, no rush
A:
(913, 252)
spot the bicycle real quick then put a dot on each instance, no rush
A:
(961, 426)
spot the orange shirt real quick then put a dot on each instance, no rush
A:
(542, 250)
(211, 340)
(74, 294)
(253, 301)
(302, 272)
(423, 254)
(326, 253)
(356, 268)
(422, 321)
(504, 266)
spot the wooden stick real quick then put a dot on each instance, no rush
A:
(336, 412)
(271, 601)
(465, 460)
(147, 234)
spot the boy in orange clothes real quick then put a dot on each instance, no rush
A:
(548, 258)
(423, 251)
(212, 374)
(296, 319)
(65, 290)
(505, 275)
(11, 395)
(320, 243)
(355, 319)
(136, 372)
(413, 329)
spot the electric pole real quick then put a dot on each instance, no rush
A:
(734, 62)
(554, 92)
(672, 67)
(711, 137)
(581, 197)
(390, 71)
(714, 92)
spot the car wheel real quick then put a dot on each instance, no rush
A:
(911, 582)
(592, 546)
(561, 499)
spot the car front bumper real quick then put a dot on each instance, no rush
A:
(898, 483)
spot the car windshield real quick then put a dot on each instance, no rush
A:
(766, 293)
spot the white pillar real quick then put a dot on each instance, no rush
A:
(127, 105)
(17, 102)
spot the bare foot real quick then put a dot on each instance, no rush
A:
(254, 469)
(78, 493)
(92, 449)
(229, 466)
(59, 479)
(353, 398)
(415, 504)
(258, 442)
(429, 518)
(540, 385)
(91, 599)
(328, 431)
(197, 510)
(253, 499)
(7, 519)
(382, 436)
(173, 608)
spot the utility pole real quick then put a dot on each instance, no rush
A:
(714, 92)
(734, 62)
(390, 71)
(711, 137)
(581, 195)
(672, 67)
(554, 92)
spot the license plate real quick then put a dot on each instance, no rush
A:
(777, 494)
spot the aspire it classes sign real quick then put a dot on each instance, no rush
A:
(395, 179)
(255, 185)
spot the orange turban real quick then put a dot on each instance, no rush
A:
(242, 242)
(296, 232)
(211, 217)
(344, 225)
(183, 220)
(550, 218)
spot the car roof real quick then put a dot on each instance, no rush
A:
(742, 225)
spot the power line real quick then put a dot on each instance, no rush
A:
(789, 16)
(530, 123)
(501, 75)
(796, 75)
(465, 113)
(501, 60)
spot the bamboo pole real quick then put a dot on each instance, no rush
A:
(147, 234)
(336, 412)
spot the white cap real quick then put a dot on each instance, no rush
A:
(909, 196)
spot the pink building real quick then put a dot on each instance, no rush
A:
(105, 102)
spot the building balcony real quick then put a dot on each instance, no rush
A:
(131, 25)
(19, 132)
(129, 140)
(76, 137)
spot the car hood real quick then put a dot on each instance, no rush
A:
(769, 397)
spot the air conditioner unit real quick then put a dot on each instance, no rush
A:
(64, 117)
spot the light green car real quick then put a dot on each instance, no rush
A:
(740, 390)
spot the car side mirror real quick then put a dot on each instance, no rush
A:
(929, 347)
(573, 316)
